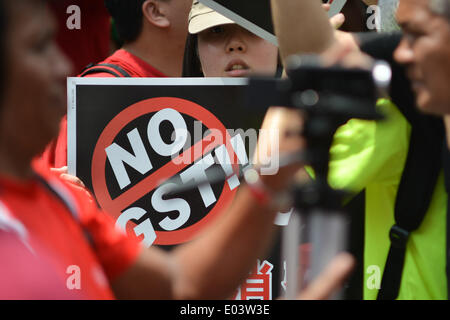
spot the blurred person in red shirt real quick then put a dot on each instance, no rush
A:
(154, 35)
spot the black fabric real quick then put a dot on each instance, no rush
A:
(446, 164)
(391, 281)
(422, 166)
(105, 68)
(353, 290)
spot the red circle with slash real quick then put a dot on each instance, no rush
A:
(115, 206)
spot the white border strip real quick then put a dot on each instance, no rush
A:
(71, 82)
(250, 26)
(71, 125)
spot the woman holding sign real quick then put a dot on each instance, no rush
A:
(218, 47)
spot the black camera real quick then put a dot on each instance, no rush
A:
(332, 91)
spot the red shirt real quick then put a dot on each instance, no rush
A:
(55, 155)
(29, 275)
(40, 218)
(134, 66)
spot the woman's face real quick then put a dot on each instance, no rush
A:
(34, 98)
(232, 51)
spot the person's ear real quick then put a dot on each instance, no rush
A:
(154, 12)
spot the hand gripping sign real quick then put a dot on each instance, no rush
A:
(162, 220)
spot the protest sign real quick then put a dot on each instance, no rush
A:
(132, 140)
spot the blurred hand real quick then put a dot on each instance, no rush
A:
(329, 281)
(280, 135)
(67, 177)
(74, 181)
(346, 52)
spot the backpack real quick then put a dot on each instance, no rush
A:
(112, 69)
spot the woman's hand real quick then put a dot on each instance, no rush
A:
(67, 177)
(280, 135)
(74, 181)
(330, 280)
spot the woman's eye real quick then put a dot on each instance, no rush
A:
(42, 44)
(217, 30)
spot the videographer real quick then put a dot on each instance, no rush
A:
(414, 214)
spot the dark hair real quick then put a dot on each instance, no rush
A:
(127, 15)
(192, 67)
(3, 25)
(191, 62)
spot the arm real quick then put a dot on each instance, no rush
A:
(330, 280)
(305, 20)
(156, 275)
(209, 267)
(302, 27)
